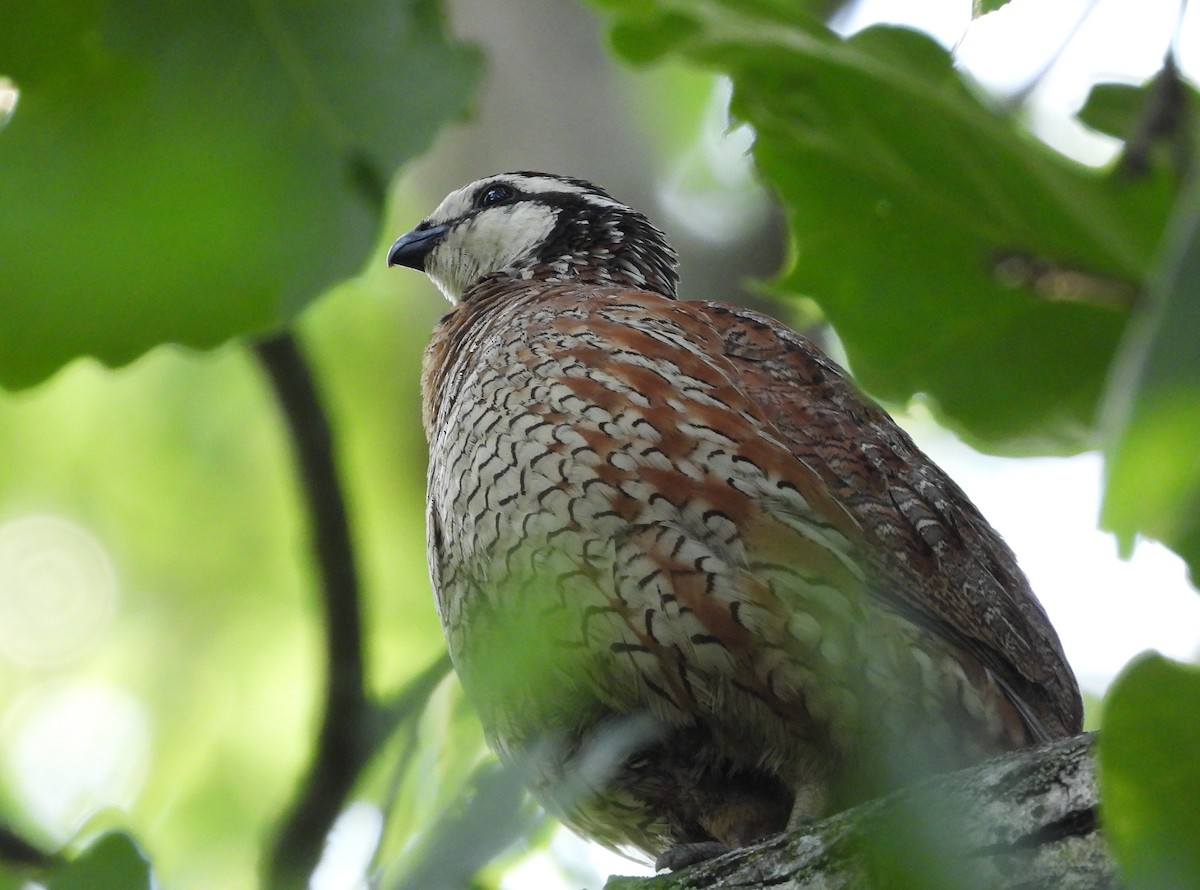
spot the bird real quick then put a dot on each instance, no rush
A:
(694, 582)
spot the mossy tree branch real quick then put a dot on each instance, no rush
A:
(1025, 820)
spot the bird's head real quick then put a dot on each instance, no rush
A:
(536, 227)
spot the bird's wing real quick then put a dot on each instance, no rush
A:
(932, 555)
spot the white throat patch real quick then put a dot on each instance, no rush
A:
(487, 242)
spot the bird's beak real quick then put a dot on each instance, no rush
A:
(411, 249)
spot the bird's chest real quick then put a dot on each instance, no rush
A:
(511, 483)
(521, 506)
(577, 544)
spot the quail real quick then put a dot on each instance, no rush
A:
(690, 578)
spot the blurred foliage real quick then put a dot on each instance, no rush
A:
(177, 466)
(983, 7)
(493, 813)
(189, 172)
(1150, 774)
(1153, 463)
(1114, 108)
(113, 862)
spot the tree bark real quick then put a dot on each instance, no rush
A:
(1025, 820)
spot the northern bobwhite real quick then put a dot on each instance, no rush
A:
(686, 572)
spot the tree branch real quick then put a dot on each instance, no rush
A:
(1025, 820)
(343, 744)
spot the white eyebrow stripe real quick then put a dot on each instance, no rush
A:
(459, 202)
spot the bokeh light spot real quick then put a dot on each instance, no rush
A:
(58, 591)
(349, 848)
(75, 750)
(710, 189)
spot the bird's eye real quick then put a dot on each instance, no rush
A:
(495, 194)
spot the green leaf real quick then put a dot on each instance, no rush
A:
(1152, 459)
(189, 172)
(1149, 762)
(955, 255)
(983, 7)
(112, 863)
(1114, 108)
(1152, 119)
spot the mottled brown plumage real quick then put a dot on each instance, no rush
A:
(682, 565)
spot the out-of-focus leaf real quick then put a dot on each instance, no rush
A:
(1149, 760)
(493, 812)
(112, 863)
(189, 172)
(1154, 120)
(955, 255)
(1113, 108)
(1153, 459)
(983, 7)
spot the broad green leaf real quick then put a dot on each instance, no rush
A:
(1152, 460)
(955, 255)
(1149, 761)
(112, 863)
(188, 172)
